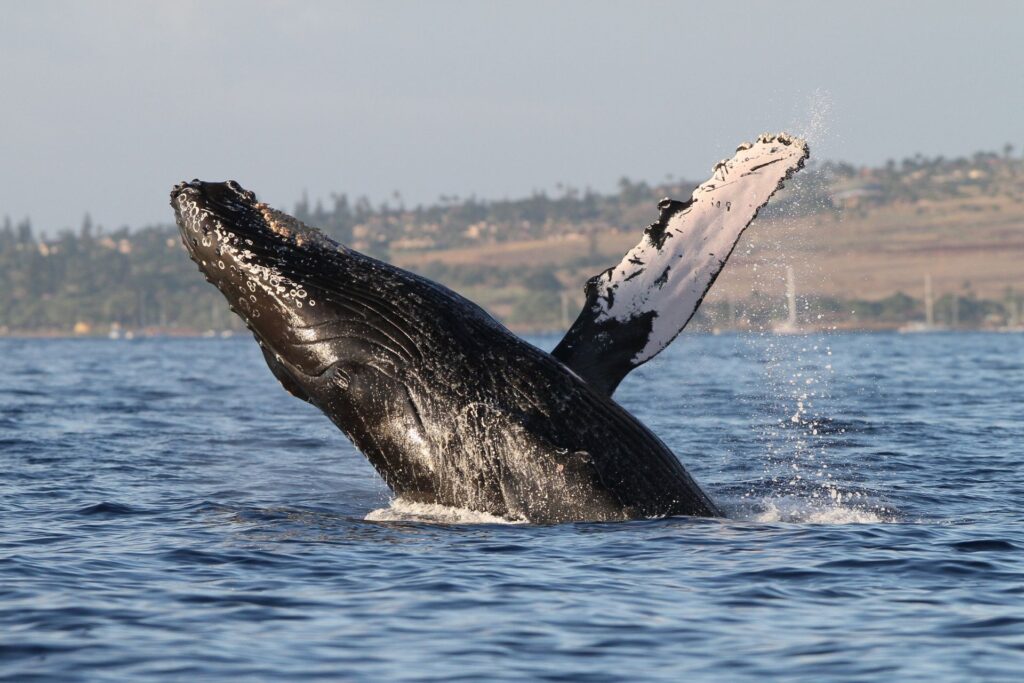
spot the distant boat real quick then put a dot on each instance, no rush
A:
(1014, 324)
(929, 314)
(789, 325)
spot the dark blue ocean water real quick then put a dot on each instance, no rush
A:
(168, 512)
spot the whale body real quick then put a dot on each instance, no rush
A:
(449, 406)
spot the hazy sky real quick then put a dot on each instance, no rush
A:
(104, 105)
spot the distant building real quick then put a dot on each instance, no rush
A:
(853, 197)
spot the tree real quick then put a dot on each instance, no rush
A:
(25, 236)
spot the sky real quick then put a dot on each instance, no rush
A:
(105, 105)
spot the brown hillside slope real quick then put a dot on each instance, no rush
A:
(974, 245)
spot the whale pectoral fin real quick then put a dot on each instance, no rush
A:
(282, 375)
(635, 309)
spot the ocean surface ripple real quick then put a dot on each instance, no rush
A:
(167, 512)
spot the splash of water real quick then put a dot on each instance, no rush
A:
(407, 511)
(852, 509)
(790, 417)
(799, 510)
(814, 124)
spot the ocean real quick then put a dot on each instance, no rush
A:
(168, 512)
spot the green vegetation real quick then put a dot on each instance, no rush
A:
(135, 279)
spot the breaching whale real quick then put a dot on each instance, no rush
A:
(448, 405)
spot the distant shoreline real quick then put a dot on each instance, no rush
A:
(922, 244)
(131, 335)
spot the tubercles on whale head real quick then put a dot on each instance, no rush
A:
(252, 253)
(228, 207)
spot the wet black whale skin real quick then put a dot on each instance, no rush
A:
(447, 404)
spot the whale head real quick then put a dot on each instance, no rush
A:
(263, 261)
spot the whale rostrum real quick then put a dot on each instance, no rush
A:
(448, 405)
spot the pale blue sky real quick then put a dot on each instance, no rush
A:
(106, 104)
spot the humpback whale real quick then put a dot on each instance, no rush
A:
(449, 406)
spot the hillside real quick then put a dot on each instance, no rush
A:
(860, 242)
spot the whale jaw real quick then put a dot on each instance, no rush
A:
(260, 259)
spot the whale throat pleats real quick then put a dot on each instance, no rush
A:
(636, 308)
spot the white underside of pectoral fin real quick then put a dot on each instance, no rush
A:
(668, 273)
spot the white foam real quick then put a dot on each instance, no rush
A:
(789, 510)
(406, 511)
(803, 511)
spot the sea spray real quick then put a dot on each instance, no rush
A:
(790, 417)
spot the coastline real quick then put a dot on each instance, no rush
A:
(127, 334)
